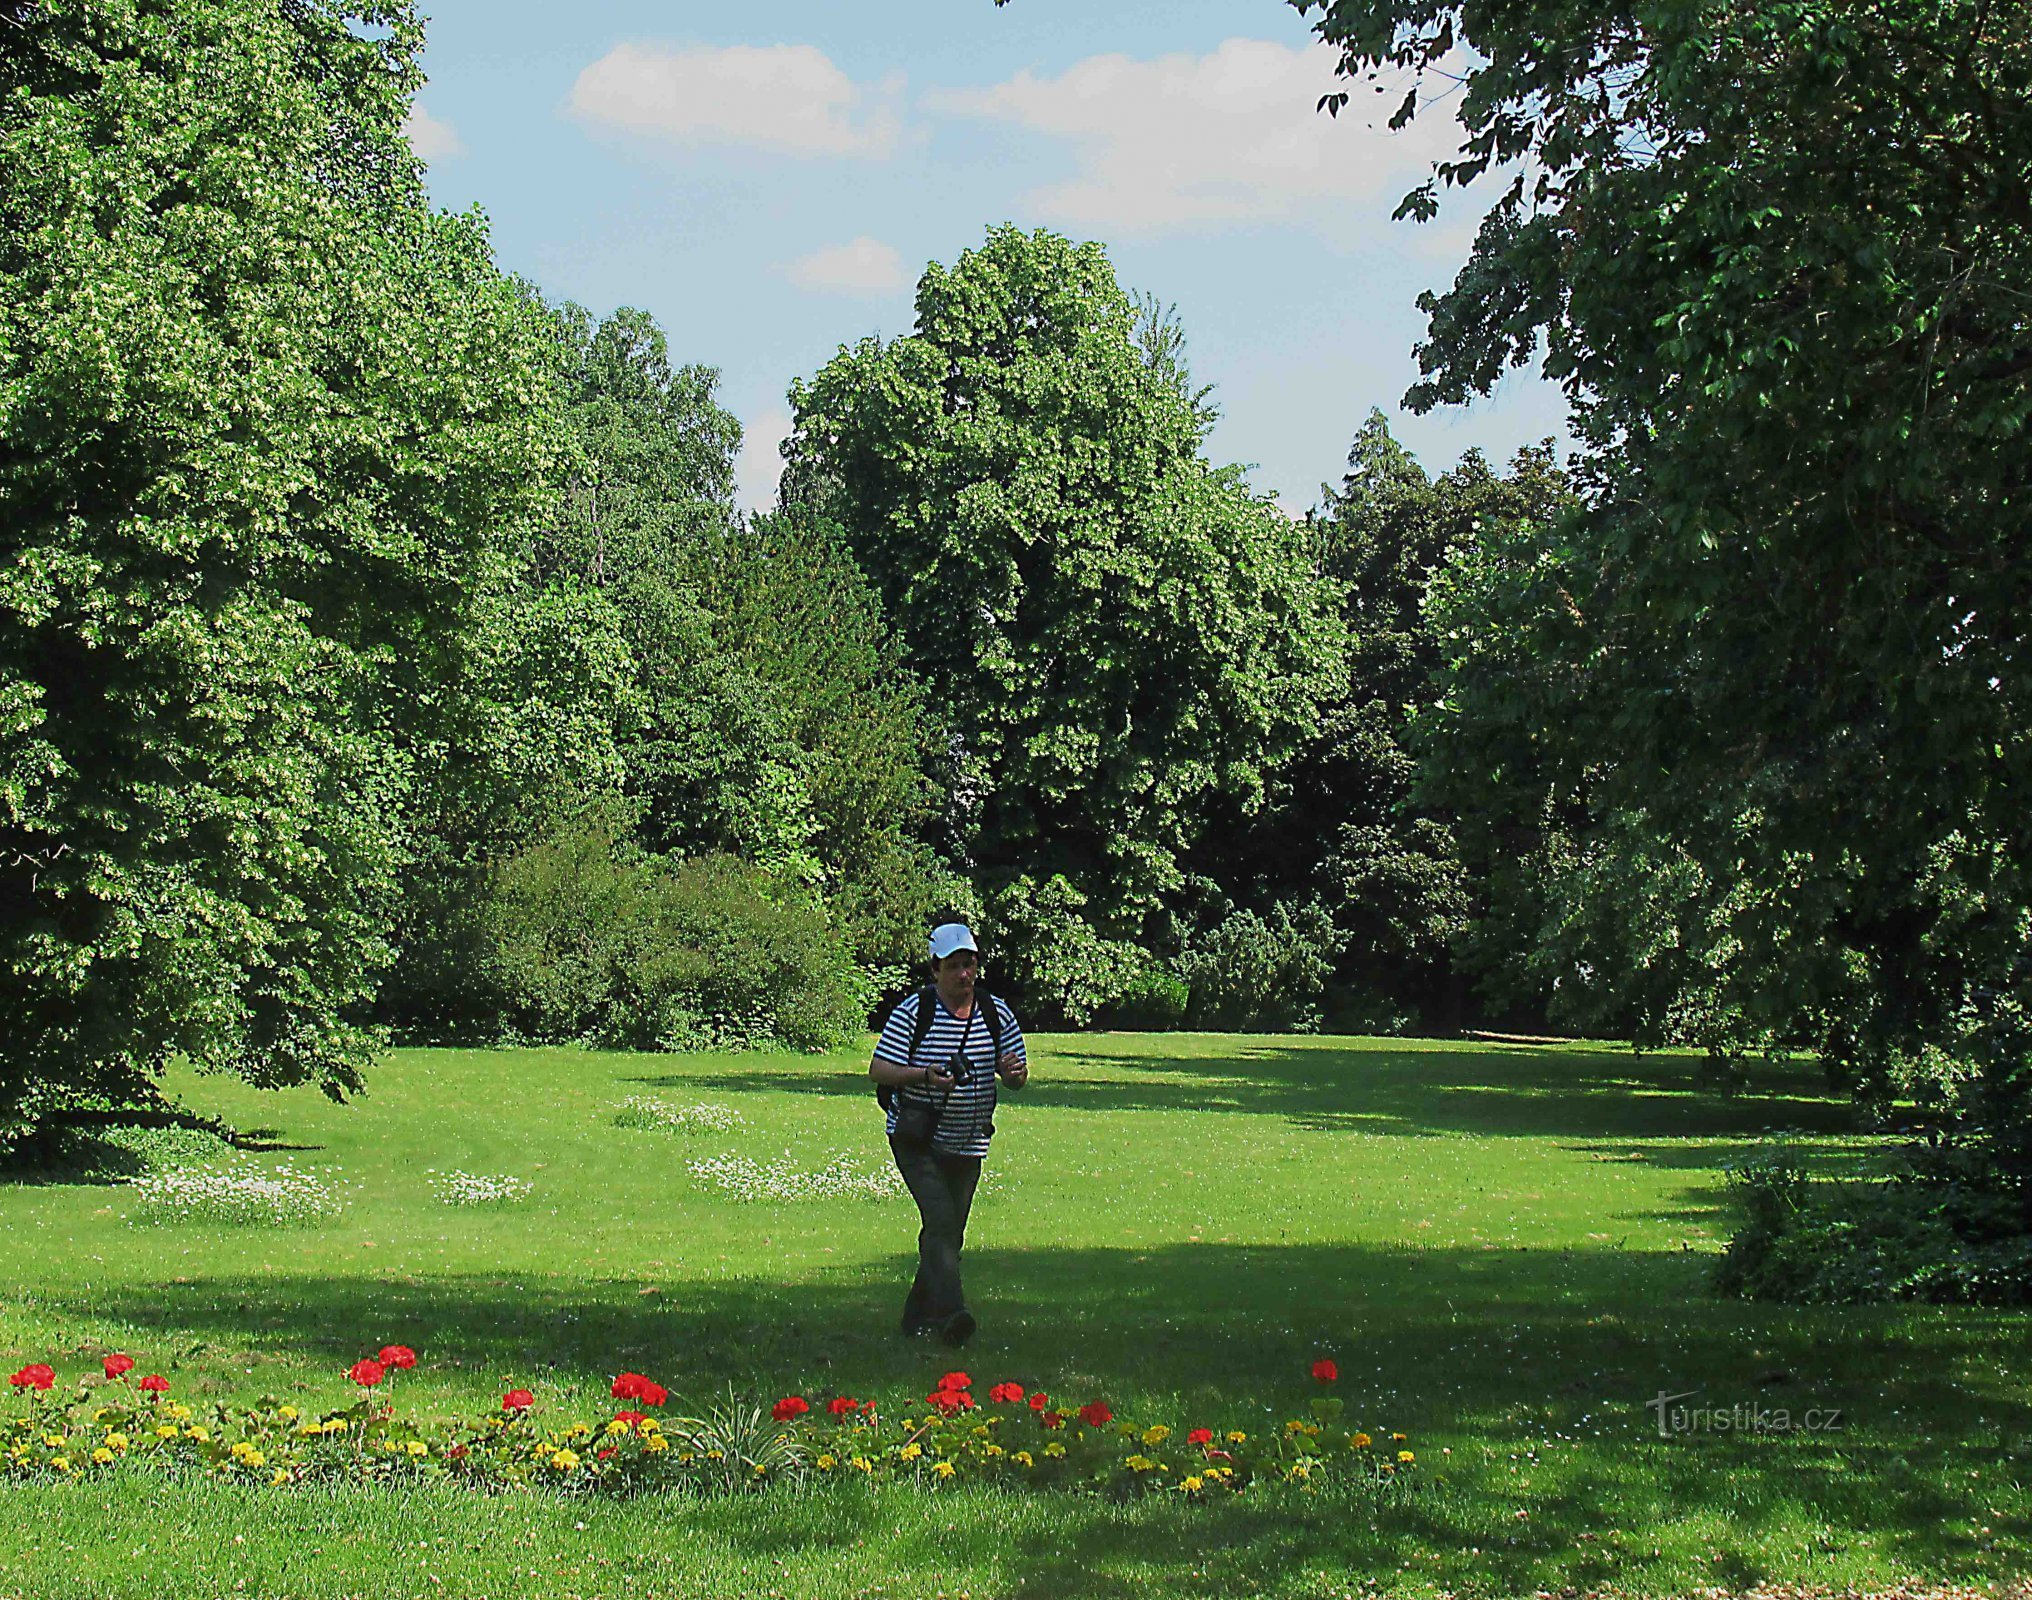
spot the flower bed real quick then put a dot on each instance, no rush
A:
(1018, 1437)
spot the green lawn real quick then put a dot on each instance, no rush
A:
(1505, 1248)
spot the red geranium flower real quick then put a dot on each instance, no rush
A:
(1006, 1394)
(950, 1400)
(652, 1394)
(155, 1383)
(604, 1454)
(117, 1365)
(791, 1405)
(629, 1417)
(1095, 1414)
(840, 1405)
(517, 1400)
(1200, 1436)
(1052, 1419)
(34, 1376)
(1325, 1371)
(397, 1355)
(458, 1452)
(1039, 1400)
(629, 1386)
(366, 1373)
(955, 1381)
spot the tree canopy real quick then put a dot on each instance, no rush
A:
(261, 411)
(1769, 684)
(1108, 629)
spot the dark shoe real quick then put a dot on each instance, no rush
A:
(914, 1328)
(959, 1327)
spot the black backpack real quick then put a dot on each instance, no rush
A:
(927, 1012)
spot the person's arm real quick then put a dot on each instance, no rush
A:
(891, 1069)
(1014, 1063)
(898, 1076)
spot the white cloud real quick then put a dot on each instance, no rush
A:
(860, 266)
(760, 463)
(787, 97)
(432, 138)
(1185, 141)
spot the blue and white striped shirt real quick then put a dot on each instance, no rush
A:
(967, 1122)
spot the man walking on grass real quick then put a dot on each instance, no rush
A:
(935, 1068)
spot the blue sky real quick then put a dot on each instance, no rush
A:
(769, 183)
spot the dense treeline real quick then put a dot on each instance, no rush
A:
(381, 647)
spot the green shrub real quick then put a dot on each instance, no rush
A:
(592, 939)
(1260, 974)
(1857, 1241)
(1155, 1001)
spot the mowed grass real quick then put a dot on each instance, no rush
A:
(1505, 1248)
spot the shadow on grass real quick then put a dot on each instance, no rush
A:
(1492, 1090)
(1489, 1351)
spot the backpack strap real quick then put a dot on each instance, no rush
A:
(985, 999)
(927, 1013)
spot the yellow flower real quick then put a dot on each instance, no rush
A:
(1238, 1437)
(617, 1426)
(716, 1455)
(827, 1462)
(281, 1475)
(335, 1425)
(1140, 1463)
(199, 1432)
(649, 1425)
(578, 1430)
(308, 1430)
(1389, 1467)
(656, 1444)
(1156, 1434)
(1193, 1485)
(1294, 1426)
(1054, 1449)
(760, 1470)
(1406, 1456)
(564, 1460)
(944, 1469)
(1302, 1471)
(116, 1441)
(61, 1463)
(54, 1440)
(165, 1432)
(1397, 1438)
(254, 1458)
(910, 1452)
(1359, 1442)
(180, 1412)
(992, 1451)
(863, 1463)
(102, 1455)
(417, 1447)
(288, 1413)
(99, 1415)
(1024, 1458)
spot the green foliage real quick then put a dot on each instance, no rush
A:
(1155, 1000)
(593, 939)
(260, 413)
(1857, 1243)
(1251, 973)
(1770, 681)
(1111, 631)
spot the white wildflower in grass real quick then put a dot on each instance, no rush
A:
(240, 1192)
(660, 1116)
(477, 1188)
(841, 1178)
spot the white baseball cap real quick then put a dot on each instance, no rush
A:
(950, 936)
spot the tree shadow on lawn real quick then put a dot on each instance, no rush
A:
(1493, 1090)
(1484, 1350)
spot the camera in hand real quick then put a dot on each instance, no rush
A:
(957, 1067)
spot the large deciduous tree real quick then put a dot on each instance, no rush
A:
(1108, 629)
(263, 417)
(1768, 692)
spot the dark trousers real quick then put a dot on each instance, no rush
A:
(943, 1187)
